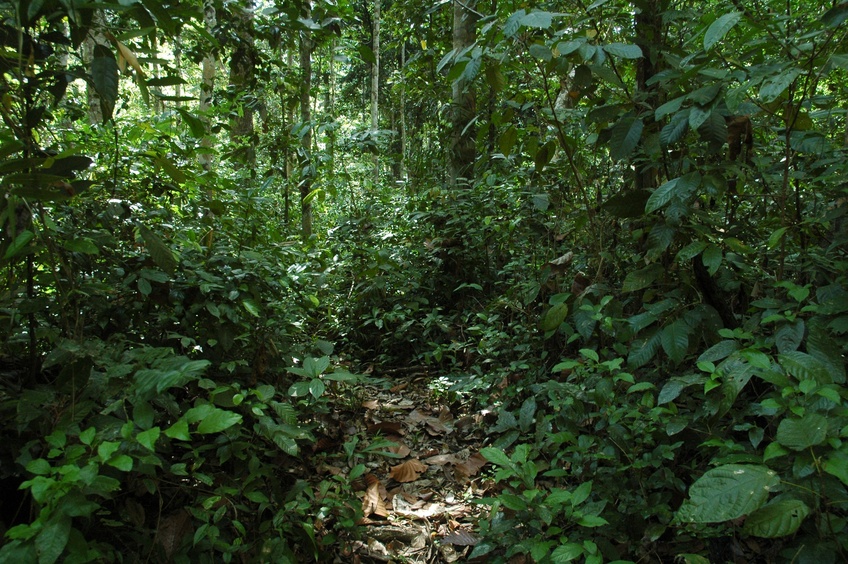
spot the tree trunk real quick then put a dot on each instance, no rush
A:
(306, 138)
(96, 36)
(209, 66)
(463, 145)
(375, 85)
(242, 79)
(650, 37)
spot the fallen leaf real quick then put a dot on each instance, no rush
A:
(372, 503)
(441, 460)
(471, 466)
(371, 404)
(400, 448)
(460, 538)
(386, 427)
(408, 471)
(399, 388)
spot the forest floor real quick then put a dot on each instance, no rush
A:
(422, 459)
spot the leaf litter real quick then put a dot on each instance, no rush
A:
(421, 475)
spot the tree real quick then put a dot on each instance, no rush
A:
(463, 137)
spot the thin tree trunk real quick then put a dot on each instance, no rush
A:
(209, 68)
(96, 36)
(375, 85)
(306, 139)
(463, 136)
(242, 79)
(403, 109)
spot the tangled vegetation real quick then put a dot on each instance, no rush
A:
(615, 233)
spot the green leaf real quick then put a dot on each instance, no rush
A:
(675, 129)
(195, 124)
(592, 521)
(526, 414)
(566, 553)
(512, 501)
(104, 75)
(159, 251)
(316, 388)
(727, 492)
(52, 539)
(719, 28)
(179, 430)
(148, 438)
(539, 20)
(316, 366)
(836, 15)
(777, 519)
(774, 87)
(837, 465)
(122, 462)
(218, 420)
(711, 257)
(789, 336)
(623, 50)
(541, 52)
(690, 251)
(507, 140)
(801, 434)
(669, 107)
(805, 367)
(675, 340)
(719, 351)
(21, 241)
(39, 467)
(554, 317)
(496, 456)
(625, 136)
(581, 494)
(639, 279)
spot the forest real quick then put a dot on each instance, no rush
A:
(453, 281)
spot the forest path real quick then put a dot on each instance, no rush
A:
(417, 500)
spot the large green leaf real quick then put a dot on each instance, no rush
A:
(719, 28)
(805, 367)
(777, 519)
(801, 434)
(104, 75)
(676, 128)
(639, 279)
(625, 136)
(727, 492)
(680, 188)
(52, 539)
(623, 50)
(159, 251)
(539, 20)
(675, 340)
(218, 420)
(554, 317)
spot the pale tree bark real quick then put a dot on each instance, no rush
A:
(375, 85)
(242, 79)
(209, 70)
(306, 138)
(403, 109)
(463, 145)
(96, 36)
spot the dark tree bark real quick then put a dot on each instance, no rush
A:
(463, 145)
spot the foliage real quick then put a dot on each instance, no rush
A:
(644, 280)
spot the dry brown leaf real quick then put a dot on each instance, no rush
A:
(372, 503)
(371, 404)
(471, 466)
(442, 459)
(400, 448)
(460, 538)
(408, 471)
(399, 388)
(434, 425)
(386, 427)
(172, 530)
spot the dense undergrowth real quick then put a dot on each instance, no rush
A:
(657, 318)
